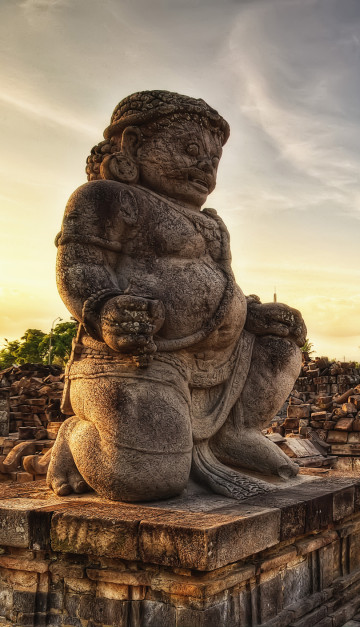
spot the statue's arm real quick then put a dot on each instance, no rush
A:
(275, 319)
(95, 226)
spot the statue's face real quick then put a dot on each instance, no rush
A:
(181, 163)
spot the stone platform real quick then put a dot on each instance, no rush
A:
(290, 558)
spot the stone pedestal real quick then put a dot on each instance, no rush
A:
(290, 558)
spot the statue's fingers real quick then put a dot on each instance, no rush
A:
(281, 330)
(156, 309)
(135, 327)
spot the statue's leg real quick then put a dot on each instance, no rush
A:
(130, 440)
(62, 475)
(275, 365)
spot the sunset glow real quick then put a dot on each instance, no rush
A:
(283, 73)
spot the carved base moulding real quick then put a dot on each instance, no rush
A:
(287, 559)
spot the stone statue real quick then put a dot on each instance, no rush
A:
(173, 370)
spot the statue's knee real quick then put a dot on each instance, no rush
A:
(141, 476)
(276, 354)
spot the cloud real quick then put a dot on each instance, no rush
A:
(48, 112)
(39, 11)
(295, 66)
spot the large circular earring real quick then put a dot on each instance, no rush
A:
(118, 167)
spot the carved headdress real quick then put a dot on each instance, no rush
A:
(148, 109)
(144, 107)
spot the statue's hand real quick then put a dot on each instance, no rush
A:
(128, 323)
(276, 319)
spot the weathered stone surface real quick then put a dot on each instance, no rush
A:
(345, 449)
(298, 411)
(354, 438)
(162, 342)
(337, 436)
(310, 577)
(213, 543)
(344, 424)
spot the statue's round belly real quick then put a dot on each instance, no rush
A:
(190, 290)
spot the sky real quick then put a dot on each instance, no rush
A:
(283, 73)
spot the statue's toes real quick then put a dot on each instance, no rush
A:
(74, 482)
(78, 484)
(286, 471)
(61, 487)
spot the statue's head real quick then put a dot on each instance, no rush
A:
(164, 141)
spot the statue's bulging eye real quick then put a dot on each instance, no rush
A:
(215, 161)
(192, 150)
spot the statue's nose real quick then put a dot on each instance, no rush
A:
(206, 166)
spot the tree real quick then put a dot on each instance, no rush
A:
(308, 347)
(33, 347)
(61, 341)
(8, 354)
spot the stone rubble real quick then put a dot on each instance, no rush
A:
(30, 416)
(325, 405)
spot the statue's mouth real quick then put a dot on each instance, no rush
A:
(199, 183)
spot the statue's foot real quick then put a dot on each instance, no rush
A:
(222, 479)
(250, 449)
(63, 476)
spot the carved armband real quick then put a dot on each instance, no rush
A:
(91, 310)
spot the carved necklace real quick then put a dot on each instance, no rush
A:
(206, 222)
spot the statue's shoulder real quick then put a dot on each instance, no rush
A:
(108, 199)
(103, 191)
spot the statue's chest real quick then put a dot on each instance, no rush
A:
(164, 230)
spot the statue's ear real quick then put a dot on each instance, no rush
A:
(131, 141)
(123, 165)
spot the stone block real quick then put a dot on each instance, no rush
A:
(24, 477)
(315, 424)
(311, 619)
(321, 380)
(103, 611)
(345, 449)
(303, 422)
(345, 464)
(344, 424)
(343, 503)
(271, 597)
(291, 423)
(322, 400)
(329, 425)
(157, 614)
(355, 399)
(356, 425)
(24, 601)
(296, 582)
(314, 543)
(298, 411)
(284, 556)
(354, 437)
(337, 437)
(207, 542)
(219, 614)
(349, 408)
(23, 564)
(318, 415)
